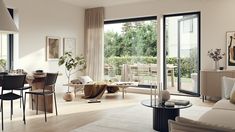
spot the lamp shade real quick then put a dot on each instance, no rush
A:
(7, 24)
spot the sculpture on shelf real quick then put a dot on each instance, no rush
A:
(72, 65)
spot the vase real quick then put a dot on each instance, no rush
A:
(216, 65)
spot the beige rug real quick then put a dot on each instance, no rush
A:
(136, 118)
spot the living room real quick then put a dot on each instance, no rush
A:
(67, 21)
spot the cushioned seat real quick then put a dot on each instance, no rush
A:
(221, 117)
(224, 104)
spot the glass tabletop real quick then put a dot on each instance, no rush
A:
(155, 104)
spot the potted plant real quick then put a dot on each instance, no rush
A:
(72, 65)
(216, 55)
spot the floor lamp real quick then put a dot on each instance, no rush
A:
(7, 24)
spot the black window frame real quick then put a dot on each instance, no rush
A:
(10, 45)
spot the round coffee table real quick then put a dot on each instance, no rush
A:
(161, 114)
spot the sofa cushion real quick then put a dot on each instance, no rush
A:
(224, 104)
(220, 117)
(186, 125)
(85, 79)
(232, 97)
(227, 84)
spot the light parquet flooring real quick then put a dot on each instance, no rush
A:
(77, 113)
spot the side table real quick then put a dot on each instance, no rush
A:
(161, 114)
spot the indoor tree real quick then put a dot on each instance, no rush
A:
(72, 64)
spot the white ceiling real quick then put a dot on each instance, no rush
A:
(101, 3)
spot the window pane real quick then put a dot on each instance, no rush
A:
(130, 50)
(3, 50)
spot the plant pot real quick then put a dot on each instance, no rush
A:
(69, 96)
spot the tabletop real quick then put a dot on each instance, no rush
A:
(148, 104)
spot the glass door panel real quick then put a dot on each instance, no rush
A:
(188, 54)
(181, 44)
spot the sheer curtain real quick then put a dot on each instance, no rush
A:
(94, 42)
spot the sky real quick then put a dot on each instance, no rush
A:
(117, 27)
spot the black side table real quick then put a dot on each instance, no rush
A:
(161, 114)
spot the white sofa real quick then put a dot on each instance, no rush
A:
(222, 113)
(221, 118)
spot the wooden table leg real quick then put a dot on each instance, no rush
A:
(122, 92)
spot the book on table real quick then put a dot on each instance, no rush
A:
(180, 102)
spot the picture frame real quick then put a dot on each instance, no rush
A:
(53, 45)
(69, 45)
(230, 49)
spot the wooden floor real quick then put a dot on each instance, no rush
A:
(76, 113)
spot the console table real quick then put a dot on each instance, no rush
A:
(161, 114)
(211, 82)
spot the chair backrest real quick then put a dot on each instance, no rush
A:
(51, 79)
(12, 82)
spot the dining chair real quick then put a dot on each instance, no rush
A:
(10, 83)
(48, 90)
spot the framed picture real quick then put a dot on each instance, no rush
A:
(52, 48)
(69, 45)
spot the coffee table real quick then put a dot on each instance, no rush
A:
(161, 114)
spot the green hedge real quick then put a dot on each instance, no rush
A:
(187, 66)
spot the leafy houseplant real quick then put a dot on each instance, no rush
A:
(72, 64)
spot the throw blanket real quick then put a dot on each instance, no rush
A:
(97, 90)
(94, 91)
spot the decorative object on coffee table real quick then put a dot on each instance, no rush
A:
(165, 95)
(216, 55)
(72, 65)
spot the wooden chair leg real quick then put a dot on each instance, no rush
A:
(55, 104)
(45, 109)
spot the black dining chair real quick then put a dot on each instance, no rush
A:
(10, 83)
(48, 90)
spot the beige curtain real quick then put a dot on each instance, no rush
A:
(94, 42)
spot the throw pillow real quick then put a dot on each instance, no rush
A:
(85, 79)
(232, 95)
(228, 84)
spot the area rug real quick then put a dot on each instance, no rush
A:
(135, 118)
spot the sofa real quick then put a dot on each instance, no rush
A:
(221, 118)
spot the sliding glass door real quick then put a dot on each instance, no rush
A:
(182, 53)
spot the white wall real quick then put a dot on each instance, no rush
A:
(38, 19)
(217, 17)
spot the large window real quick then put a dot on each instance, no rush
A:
(130, 49)
(6, 49)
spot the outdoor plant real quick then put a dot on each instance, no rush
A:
(3, 64)
(216, 54)
(72, 64)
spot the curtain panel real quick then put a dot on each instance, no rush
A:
(94, 42)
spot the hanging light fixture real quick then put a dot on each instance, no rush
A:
(7, 24)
